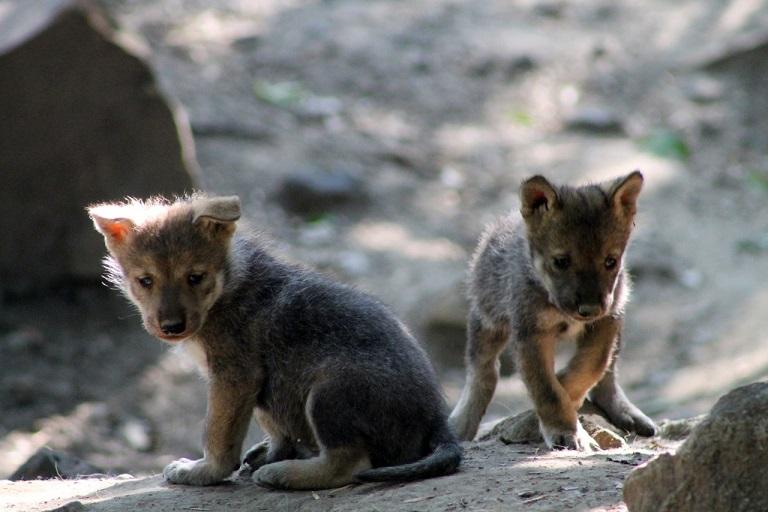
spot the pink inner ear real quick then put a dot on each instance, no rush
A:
(538, 198)
(117, 230)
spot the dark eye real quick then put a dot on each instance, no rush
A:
(610, 263)
(145, 282)
(561, 262)
(195, 279)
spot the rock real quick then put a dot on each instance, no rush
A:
(314, 192)
(138, 434)
(549, 8)
(676, 430)
(72, 506)
(524, 428)
(47, 463)
(595, 119)
(703, 89)
(606, 439)
(89, 124)
(720, 468)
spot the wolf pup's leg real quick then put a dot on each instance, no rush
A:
(275, 447)
(610, 398)
(332, 468)
(484, 346)
(229, 413)
(341, 454)
(558, 418)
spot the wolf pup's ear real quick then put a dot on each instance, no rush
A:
(110, 221)
(537, 194)
(217, 214)
(624, 192)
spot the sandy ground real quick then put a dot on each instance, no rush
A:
(494, 477)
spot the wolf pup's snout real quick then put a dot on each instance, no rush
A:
(590, 310)
(173, 326)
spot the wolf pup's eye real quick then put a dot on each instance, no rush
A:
(561, 262)
(610, 263)
(144, 282)
(195, 279)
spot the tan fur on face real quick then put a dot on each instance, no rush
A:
(196, 248)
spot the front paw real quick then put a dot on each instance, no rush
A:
(193, 472)
(273, 476)
(559, 438)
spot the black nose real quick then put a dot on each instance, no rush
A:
(174, 326)
(589, 310)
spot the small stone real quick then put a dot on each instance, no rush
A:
(47, 463)
(320, 107)
(703, 89)
(679, 429)
(549, 8)
(72, 506)
(607, 440)
(595, 119)
(354, 263)
(138, 434)
(314, 192)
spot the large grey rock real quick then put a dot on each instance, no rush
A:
(81, 121)
(720, 468)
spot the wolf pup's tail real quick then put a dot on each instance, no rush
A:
(444, 460)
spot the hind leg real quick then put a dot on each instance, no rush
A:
(332, 468)
(341, 453)
(275, 447)
(611, 399)
(484, 346)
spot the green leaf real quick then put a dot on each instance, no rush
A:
(758, 180)
(666, 144)
(280, 94)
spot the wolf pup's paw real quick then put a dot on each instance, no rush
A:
(558, 438)
(627, 416)
(193, 472)
(256, 456)
(632, 419)
(274, 476)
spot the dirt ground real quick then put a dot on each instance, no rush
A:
(439, 108)
(494, 477)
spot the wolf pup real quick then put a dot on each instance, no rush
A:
(342, 389)
(557, 273)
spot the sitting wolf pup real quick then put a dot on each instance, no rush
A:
(341, 388)
(557, 273)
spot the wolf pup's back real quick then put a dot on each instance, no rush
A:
(342, 389)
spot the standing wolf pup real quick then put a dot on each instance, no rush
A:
(342, 389)
(557, 273)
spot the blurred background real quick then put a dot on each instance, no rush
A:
(372, 140)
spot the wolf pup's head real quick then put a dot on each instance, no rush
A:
(169, 258)
(577, 238)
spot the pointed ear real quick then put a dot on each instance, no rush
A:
(624, 192)
(537, 194)
(110, 221)
(217, 214)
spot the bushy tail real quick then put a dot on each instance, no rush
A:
(444, 460)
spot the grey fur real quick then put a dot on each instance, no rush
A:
(337, 381)
(517, 294)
